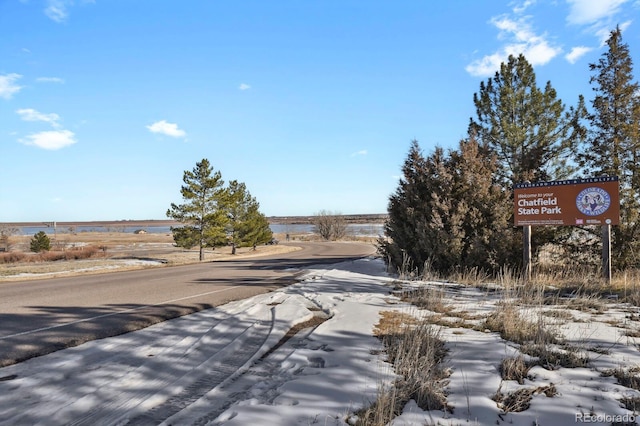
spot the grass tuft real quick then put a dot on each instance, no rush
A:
(552, 359)
(429, 298)
(515, 368)
(509, 322)
(416, 351)
(626, 377)
(520, 400)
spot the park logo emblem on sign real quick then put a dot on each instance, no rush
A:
(593, 201)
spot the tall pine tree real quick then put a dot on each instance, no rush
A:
(531, 133)
(246, 226)
(528, 129)
(406, 242)
(613, 145)
(201, 213)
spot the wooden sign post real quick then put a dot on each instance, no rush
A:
(526, 253)
(606, 253)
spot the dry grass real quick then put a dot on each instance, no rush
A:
(416, 351)
(429, 298)
(515, 368)
(513, 326)
(632, 333)
(470, 276)
(585, 302)
(551, 358)
(520, 400)
(392, 321)
(587, 287)
(627, 377)
(558, 314)
(631, 403)
(522, 316)
(535, 337)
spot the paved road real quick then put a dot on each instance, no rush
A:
(38, 317)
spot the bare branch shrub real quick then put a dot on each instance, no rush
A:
(6, 232)
(12, 257)
(330, 226)
(50, 256)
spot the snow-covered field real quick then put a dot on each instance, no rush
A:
(239, 364)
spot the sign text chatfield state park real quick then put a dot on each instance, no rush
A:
(593, 201)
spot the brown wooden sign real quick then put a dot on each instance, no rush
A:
(593, 201)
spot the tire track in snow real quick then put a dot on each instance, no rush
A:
(224, 369)
(106, 367)
(207, 409)
(191, 354)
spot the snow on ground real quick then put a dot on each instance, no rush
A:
(229, 365)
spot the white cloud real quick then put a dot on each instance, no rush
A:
(576, 53)
(29, 114)
(519, 38)
(244, 86)
(51, 140)
(8, 86)
(487, 65)
(520, 8)
(539, 51)
(591, 11)
(50, 80)
(56, 10)
(169, 129)
(361, 152)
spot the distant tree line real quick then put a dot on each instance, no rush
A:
(213, 215)
(454, 209)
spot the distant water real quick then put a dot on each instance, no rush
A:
(355, 229)
(49, 230)
(362, 230)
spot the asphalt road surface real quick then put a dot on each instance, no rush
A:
(42, 316)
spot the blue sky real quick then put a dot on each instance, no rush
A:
(312, 104)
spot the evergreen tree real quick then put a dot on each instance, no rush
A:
(488, 241)
(40, 242)
(531, 133)
(613, 145)
(408, 210)
(246, 226)
(202, 215)
(527, 128)
(448, 213)
(255, 228)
